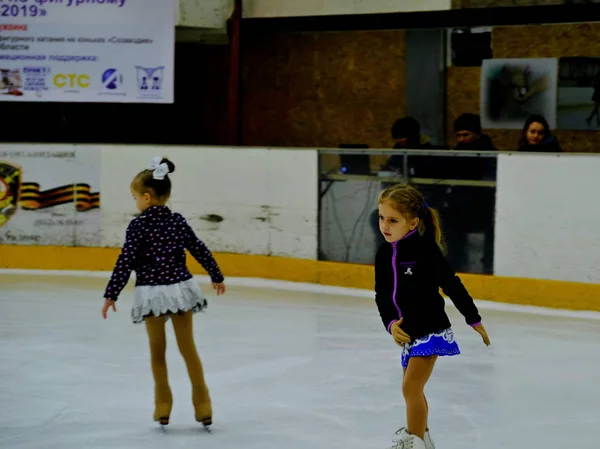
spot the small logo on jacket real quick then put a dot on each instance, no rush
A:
(408, 271)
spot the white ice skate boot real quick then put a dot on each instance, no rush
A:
(408, 441)
(402, 433)
(429, 444)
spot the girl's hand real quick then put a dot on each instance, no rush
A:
(481, 331)
(399, 335)
(108, 303)
(219, 287)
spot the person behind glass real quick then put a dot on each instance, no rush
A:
(467, 129)
(406, 133)
(470, 209)
(155, 244)
(596, 100)
(537, 137)
(410, 268)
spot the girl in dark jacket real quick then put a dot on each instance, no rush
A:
(409, 270)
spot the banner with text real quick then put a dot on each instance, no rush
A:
(109, 51)
(50, 195)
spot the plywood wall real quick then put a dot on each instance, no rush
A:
(323, 89)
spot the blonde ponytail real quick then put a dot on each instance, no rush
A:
(432, 226)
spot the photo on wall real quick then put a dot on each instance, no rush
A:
(513, 89)
(579, 93)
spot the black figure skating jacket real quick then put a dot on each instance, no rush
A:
(408, 276)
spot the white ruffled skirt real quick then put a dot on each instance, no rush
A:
(160, 300)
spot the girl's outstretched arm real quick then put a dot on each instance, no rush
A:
(201, 253)
(452, 286)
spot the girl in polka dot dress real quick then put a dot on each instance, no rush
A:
(155, 244)
(410, 268)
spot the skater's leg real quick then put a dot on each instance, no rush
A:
(184, 332)
(417, 374)
(426, 408)
(155, 326)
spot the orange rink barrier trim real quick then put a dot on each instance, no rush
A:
(520, 291)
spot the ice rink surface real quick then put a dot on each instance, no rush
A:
(286, 369)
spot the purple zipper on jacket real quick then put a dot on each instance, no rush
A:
(394, 254)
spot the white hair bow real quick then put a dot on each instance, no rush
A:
(159, 170)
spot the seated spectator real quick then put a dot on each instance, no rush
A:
(467, 128)
(406, 132)
(537, 137)
(470, 210)
(469, 137)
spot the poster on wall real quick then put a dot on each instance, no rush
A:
(579, 93)
(49, 195)
(109, 51)
(512, 89)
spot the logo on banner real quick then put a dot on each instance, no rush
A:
(36, 78)
(150, 80)
(11, 82)
(10, 189)
(72, 80)
(112, 79)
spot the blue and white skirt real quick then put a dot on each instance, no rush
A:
(441, 343)
(160, 300)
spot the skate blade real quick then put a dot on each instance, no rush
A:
(163, 422)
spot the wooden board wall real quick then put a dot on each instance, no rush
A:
(544, 41)
(322, 89)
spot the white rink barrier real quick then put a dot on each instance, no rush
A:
(255, 201)
(547, 217)
(264, 201)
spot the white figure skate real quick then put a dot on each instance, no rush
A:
(408, 441)
(429, 444)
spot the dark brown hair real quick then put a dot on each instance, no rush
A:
(535, 118)
(408, 201)
(160, 189)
